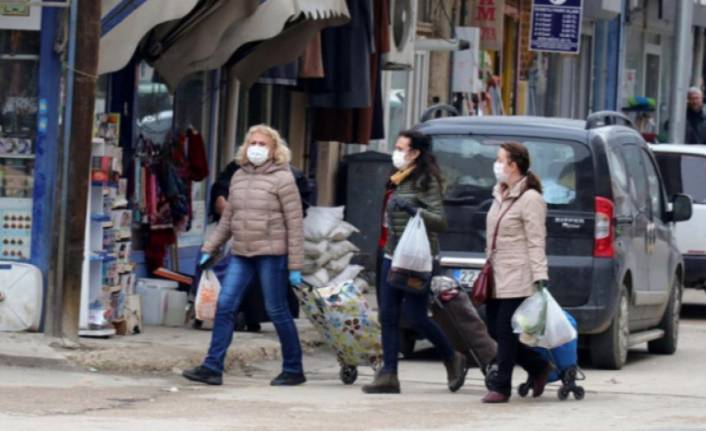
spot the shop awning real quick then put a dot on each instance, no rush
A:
(125, 22)
(253, 35)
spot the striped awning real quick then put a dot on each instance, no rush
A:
(125, 22)
(253, 35)
(180, 37)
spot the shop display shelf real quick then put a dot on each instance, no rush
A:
(17, 156)
(96, 333)
(99, 218)
(105, 184)
(102, 257)
(100, 277)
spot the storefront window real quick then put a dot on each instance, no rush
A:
(161, 119)
(192, 101)
(264, 104)
(154, 106)
(19, 69)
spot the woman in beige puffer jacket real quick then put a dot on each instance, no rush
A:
(519, 264)
(263, 215)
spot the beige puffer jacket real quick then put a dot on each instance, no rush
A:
(263, 215)
(520, 258)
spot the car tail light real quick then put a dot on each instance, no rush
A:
(603, 245)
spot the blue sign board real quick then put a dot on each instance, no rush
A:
(556, 26)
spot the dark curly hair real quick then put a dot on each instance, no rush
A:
(427, 168)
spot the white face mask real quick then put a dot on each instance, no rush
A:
(499, 171)
(258, 155)
(399, 159)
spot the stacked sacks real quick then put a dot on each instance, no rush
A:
(328, 253)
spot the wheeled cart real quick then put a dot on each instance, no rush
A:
(342, 316)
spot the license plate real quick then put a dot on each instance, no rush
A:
(466, 277)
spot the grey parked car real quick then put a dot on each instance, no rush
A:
(613, 262)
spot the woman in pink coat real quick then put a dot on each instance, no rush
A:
(519, 266)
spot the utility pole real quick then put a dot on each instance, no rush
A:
(698, 66)
(84, 40)
(680, 81)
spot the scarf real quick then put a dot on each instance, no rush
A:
(402, 175)
(395, 180)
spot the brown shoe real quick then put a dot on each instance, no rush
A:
(493, 397)
(539, 381)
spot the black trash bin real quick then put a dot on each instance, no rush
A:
(362, 189)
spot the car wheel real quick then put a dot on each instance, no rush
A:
(408, 339)
(667, 345)
(609, 349)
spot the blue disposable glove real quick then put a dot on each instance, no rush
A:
(203, 259)
(295, 278)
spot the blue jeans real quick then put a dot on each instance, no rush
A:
(273, 275)
(392, 302)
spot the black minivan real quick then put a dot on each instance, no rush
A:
(613, 262)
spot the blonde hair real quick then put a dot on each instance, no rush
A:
(282, 154)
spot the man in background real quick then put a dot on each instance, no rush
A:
(695, 117)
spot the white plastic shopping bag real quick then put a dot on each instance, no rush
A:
(413, 252)
(557, 328)
(207, 296)
(541, 322)
(530, 317)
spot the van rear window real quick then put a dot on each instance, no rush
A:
(564, 167)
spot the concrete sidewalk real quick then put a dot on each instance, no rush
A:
(158, 349)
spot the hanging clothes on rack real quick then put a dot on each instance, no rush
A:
(348, 100)
(311, 63)
(165, 179)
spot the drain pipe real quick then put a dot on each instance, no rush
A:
(680, 80)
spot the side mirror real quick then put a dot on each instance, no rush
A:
(681, 208)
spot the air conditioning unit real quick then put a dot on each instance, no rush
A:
(403, 32)
(603, 9)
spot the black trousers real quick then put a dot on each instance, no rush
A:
(510, 351)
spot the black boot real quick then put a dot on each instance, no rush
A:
(203, 375)
(456, 371)
(385, 382)
(288, 379)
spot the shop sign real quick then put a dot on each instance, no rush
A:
(20, 16)
(556, 26)
(489, 16)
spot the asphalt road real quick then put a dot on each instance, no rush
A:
(650, 393)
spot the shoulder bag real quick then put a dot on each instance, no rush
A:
(485, 283)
